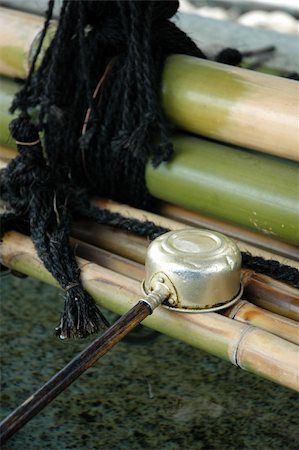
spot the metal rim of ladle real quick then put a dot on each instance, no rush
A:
(200, 310)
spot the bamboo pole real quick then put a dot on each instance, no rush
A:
(6, 154)
(112, 261)
(20, 33)
(254, 191)
(238, 106)
(245, 312)
(7, 91)
(271, 294)
(230, 104)
(120, 242)
(251, 349)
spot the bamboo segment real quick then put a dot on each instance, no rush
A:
(7, 91)
(122, 243)
(20, 32)
(230, 104)
(271, 294)
(245, 312)
(255, 191)
(238, 106)
(254, 350)
(257, 345)
(6, 154)
(111, 261)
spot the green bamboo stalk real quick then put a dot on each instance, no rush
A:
(255, 191)
(234, 105)
(249, 348)
(20, 33)
(7, 90)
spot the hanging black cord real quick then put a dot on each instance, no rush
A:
(94, 144)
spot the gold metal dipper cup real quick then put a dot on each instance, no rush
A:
(200, 268)
(189, 271)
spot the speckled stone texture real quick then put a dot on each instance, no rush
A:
(213, 35)
(163, 395)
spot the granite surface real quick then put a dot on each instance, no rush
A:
(162, 395)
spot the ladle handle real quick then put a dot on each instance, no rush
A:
(61, 380)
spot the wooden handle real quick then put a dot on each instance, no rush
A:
(59, 382)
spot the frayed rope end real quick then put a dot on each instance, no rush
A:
(81, 316)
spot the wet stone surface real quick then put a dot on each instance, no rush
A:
(163, 395)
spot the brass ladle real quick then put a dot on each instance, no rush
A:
(189, 270)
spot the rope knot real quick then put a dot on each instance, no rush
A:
(229, 56)
(81, 316)
(23, 131)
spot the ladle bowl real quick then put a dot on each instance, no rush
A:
(201, 269)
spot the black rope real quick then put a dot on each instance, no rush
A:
(95, 98)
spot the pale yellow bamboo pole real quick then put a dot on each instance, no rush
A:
(129, 211)
(19, 35)
(234, 105)
(6, 154)
(271, 294)
(122, 243)
(109, 260)
(230, 104)
(251, 349)
(2, 164)
(245, 312)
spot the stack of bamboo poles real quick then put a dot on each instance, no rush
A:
(243, 192)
